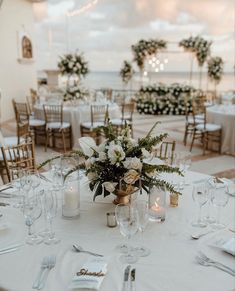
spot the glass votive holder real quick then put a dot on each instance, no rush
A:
(111, 219)
(157, 204)
(71, 200)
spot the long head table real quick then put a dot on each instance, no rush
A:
(170, 266)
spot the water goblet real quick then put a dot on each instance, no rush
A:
(143, 212)
(128, 223)
(50, 207)
(200, 196)
(219, 198)
(35, 178)
(32, 210)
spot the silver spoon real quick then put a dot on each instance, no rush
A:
(198, 235)
(79, 249)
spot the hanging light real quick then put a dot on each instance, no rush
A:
(157, 61)
(156, 70)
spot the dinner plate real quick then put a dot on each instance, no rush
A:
(229, 246)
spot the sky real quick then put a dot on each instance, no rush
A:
(104, 30)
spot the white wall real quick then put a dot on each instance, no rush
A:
(15, 78)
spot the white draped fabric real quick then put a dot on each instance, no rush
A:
(78, 114)
(224, 115)
(170, 266)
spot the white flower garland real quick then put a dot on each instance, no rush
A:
(215, 69)
(126, 72)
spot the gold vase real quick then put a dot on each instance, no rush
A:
(174, 200)
(122, 197)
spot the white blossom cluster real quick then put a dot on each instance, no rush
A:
(197, 45)
(73, 64)
(215, 69)
(75, 93)
(146, 48)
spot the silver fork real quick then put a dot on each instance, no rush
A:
(44, 265)
(51, 265)
(203, 256)
(222, 267)
(79, 249)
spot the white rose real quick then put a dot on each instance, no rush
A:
(109, 186)
(133, 163)
(115, 154)
(70, 65)
(102, 156)
(146, 154)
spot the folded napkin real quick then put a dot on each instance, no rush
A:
(91, 275)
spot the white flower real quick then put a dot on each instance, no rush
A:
(115, 153)
(70, 65)
(146, 154)
(102, 156)
(88, 145)
(110, 186)
(89, 162)
(133, 163)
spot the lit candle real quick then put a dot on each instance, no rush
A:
(71, 198)
(157, 212)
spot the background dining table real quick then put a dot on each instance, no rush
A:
(76, 114)
(224, 115)
(171, 264)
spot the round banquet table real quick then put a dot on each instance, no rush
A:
(224, 115)
(170, 266)
(77, 114)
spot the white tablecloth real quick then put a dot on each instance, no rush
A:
(224, 115)
(170, 266)
(78, 114)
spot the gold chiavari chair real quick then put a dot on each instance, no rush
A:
(56, 127)
(127, 111)
(166, 151)
(205, 132)
(24, 121)
(15, 157)
(98, 117)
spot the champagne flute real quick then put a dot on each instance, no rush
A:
(200, 196)
(32, 210)
(128, 223)
(50, 207)
(219, 198)
(143, 212)
(18, 183)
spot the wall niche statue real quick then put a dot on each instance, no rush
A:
(25, 48)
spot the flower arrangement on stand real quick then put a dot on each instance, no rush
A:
(73, 65)
(126, 72)
(146, 48)
(215, 69)
(75, 93)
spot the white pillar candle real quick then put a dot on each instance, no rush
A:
(71, 197)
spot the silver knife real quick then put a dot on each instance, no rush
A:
(133, 280)
(3, 189)
(8, 251)
(125, 286)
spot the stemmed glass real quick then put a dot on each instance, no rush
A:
(50, 208)
(210, 186)
(129, 224)
(18, 183)
(32, 210)
(143, 212)
(219, 198)
(200, 196)
(56, 170)
(35, 179)
(186, 161)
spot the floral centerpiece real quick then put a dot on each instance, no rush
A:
(120, 164)
(215, 69)
(126, 72)
(75, 93)
(146, 48)
(73, 64)
(197, 45)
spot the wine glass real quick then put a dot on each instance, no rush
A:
(186, 164)
(143, 212)
(129, 224)
(56, 169)
(17, 182)
(32, 210)
(219, 198)
(122, 247)
(35, 178)
(50, 207)
(200, 196)
(209, 218)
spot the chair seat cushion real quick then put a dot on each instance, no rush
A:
(119, 122)
(58, 125)
(11, 141)
(208, 127)
(89, 125)
(36, 122)
(200, 116)
(197, 121)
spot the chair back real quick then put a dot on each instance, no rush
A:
(19, 156)
(99, 113)
(53, 112)
(166, 151)
(127, 111)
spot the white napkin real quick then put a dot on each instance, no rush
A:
(88, 281)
